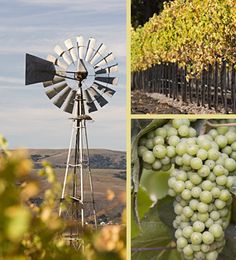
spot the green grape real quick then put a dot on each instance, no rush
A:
(157, 165)
(214, 215)
(179, 160)
(161, 132)
(192, 149)
(196, 191)
(203, 216)
(187, 231)
(196, 238)
(165, 161)
(219, 170)
(171, 131)
(158, 140)
(202, 207)
(181, 242)
(213, 133)
(227, 150)
(179, 186)
(198, 226)
(159, 151)
(193, 204)
(181, 148)
(192, 132)
(225, 195)
(216, 230)
(148, 157)
(173, 140)
(186, 158)
(149, 144)
(221, 180)
(187, 212)
(207, 185)
(213, 154)
(220, 204)
(170, 151)
(212, 255)
(181, 176)
(204, 171)
(230, 164)
(186, 194)
(221, 140)
(221, 130)
(202, 154)
(183, 131)
(195, 179)
(196, 163)
(210, 164)
(141, 150)
(188, 251)
(207, 237)
(206, 197)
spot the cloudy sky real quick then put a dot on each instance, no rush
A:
(27, 117)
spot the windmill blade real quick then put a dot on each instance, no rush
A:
(80, 46)
(69, 45)
(70, 102)
(107, 70)
(90, 49)
(99, 98)
(55, 80)
(62, 53)
(56, 90)
(110, 57)
(108, 91)
(57, 62)
(89, 102)
(98, 53)
(60, 100)
(108, 80)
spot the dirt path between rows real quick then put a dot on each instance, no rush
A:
(155, 103)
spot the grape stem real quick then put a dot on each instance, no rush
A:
(218, 125)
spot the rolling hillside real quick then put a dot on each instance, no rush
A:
(99, 158)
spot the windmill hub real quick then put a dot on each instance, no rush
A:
(80, 76)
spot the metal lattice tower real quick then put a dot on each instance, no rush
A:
(76, 79)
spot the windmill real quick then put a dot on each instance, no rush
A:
(77, 79)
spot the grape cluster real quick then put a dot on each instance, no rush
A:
(199, 180)
(158, 148)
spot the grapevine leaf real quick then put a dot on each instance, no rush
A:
(229, 251)
(166, 213)
(155, 183)
(144, 204)
(155, 235)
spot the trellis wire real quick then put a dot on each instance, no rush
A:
(215, 87)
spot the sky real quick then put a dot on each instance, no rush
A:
(27, 117)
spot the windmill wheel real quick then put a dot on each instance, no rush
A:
(88, 63)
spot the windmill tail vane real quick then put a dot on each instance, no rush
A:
(77, 78)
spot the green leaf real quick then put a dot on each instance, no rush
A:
(155, 183)
(229, 251)
(166, 212)
(156, 235)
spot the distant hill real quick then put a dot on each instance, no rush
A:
(99, 158)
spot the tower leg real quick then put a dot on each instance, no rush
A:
(90, 176)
